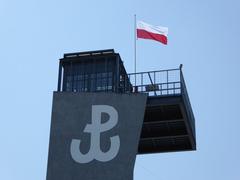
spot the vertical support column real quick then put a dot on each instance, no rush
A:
(117, 75)
(59, 76)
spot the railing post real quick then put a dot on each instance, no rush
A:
(181, 78)
(167, 82)
(130, 87)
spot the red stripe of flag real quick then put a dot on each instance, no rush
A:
(149, 35)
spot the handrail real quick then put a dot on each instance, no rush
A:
(176, 69)
(158, 82)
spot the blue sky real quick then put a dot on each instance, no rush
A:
(203, 36)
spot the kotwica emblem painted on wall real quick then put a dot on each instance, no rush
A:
(95, 129)
(94, 135)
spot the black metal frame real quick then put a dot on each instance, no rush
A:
(155, 83)
(167, 96)
(92, 57)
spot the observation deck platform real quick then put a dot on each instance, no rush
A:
(169, 123)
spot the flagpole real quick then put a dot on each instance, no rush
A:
(135, 49)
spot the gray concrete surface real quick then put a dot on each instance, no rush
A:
(117, 130)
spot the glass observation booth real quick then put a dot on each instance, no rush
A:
(169, 123)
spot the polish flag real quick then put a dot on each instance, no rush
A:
(147, 31)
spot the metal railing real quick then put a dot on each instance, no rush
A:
(157, 83)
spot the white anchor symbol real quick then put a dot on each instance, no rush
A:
(95, 128)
